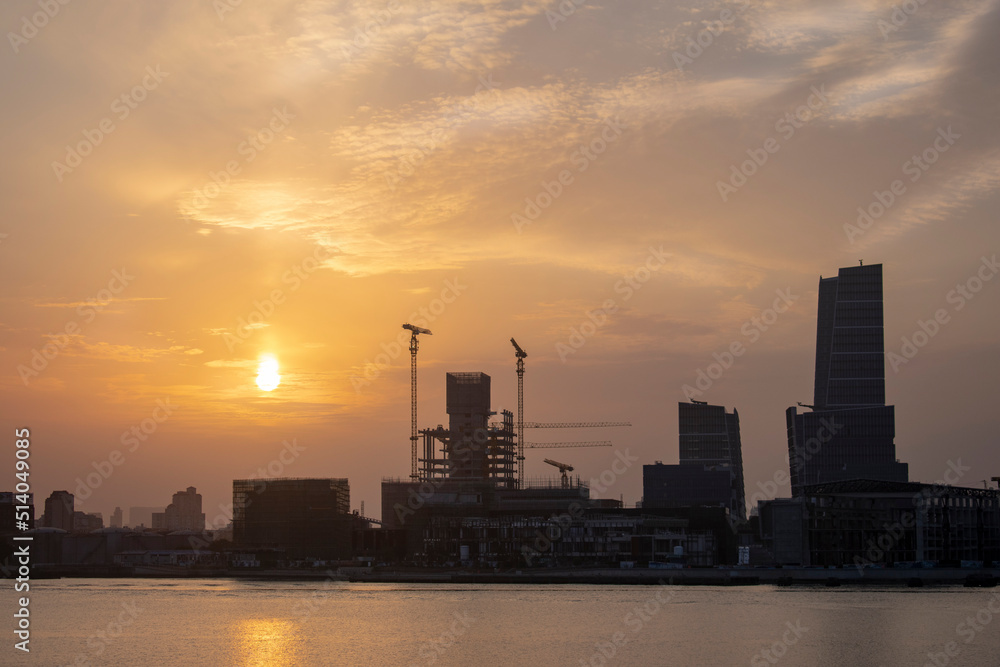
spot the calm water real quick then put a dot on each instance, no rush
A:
(222, 622)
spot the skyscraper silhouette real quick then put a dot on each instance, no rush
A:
(850, 432)
(710, 436)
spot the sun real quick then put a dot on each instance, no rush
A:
(267, 373)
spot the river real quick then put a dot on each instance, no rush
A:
(225, 622)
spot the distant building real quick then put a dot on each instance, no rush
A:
(84, 522)
(304, 518)
(142, 516)
(116, 518)
(59, 511)
(850, 432)
(876, 523)
(184, 513)
(710, 472)
(9, 502)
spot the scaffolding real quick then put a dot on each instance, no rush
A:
(307, 517)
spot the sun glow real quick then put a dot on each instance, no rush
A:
(267, 373)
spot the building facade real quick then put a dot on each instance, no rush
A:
(303, 518)
(875, 523)
(184, 513)
(59, 511)
(710, 472)
(850, 431)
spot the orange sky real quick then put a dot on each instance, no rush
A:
(189, 186)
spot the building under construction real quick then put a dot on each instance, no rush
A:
(469, 469)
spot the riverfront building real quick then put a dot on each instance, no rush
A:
(850, 431)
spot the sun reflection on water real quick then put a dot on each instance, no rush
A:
(266, 642)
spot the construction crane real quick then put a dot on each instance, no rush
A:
(563, 468)
(555, 445)
(414, 331)
(520, 354)
(574, 424)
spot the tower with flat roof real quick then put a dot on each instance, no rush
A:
(849, 432)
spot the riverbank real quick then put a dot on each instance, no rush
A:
(987, 577)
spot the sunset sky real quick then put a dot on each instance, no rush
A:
(191, 185)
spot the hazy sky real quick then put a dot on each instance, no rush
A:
(322, 171)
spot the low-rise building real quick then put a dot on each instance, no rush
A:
(870, 523)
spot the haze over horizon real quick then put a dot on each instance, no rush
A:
(194, 186)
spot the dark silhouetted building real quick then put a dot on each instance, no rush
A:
(85, 522)
(302, 518)
(184, 513)
(850, 432)
(59, 511)
(686, 486)
(710, 437)
(710, 472)
(864, 523)
(116, 518)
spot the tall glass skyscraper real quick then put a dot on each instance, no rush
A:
(710, 437)
(850, 432)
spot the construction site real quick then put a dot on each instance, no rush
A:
(468, 500)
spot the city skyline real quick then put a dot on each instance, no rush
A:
(222, 512)
(191, 192)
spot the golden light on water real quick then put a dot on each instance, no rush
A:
(267, 373)
(266, 643)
